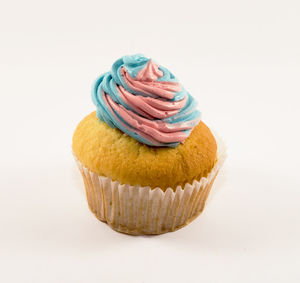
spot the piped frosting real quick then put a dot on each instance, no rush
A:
(145, 101)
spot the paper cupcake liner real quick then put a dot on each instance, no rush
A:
(140, 210)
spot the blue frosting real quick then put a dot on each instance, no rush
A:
(108, 83)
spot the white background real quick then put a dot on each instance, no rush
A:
(240, 59)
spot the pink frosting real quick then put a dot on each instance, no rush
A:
(110, 104)
(146, 127)
(145, 82)
(150, 109)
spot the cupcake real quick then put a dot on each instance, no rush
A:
(147, 159)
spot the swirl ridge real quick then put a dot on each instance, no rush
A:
(145, 101)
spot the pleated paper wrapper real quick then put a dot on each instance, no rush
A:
(140, 210)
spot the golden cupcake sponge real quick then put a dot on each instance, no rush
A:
(111, 153)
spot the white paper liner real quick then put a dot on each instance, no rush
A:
(139, 210)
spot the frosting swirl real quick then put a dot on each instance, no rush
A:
(145, 101)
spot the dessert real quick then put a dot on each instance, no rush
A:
(147, 160)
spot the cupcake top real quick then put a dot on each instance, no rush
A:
(145, 101)
(108, 152)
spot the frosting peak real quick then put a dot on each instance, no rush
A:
(149, 73)
(145, 101)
